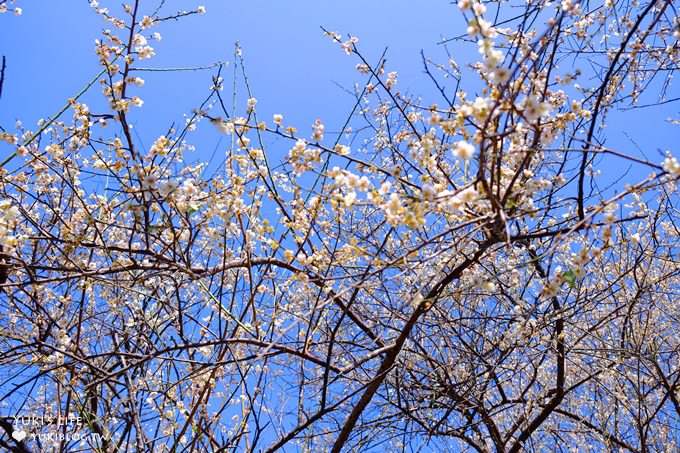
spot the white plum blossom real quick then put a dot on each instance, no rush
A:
(429, 192)
(533, 109)
(671, 166)
(391, 79)
(463, 150)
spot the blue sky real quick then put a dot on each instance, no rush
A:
(293, 69)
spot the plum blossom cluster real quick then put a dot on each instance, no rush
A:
(14, 9)
(477, 25)
(348, 184)
(303, 157)
(347, 46)
(671, 166)
(450, 271)
(492, 62)
(9, 219)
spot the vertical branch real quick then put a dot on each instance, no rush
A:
(2, 74)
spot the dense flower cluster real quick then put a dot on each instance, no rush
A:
(469, 274)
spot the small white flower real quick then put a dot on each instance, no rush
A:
(429, 192)
(139, 40)
(149, 181)
(168, 187)
(251, 104)
(500, 75)
(226, 127)
(146, 22)
(350, 198)
(463, 150)
(533, 109)
(396, 170)
(145, 52)
(342, 150)
(391, 79)
(318, 129)
(671, 165)
(478, 8)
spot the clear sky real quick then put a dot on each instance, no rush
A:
(293, 69)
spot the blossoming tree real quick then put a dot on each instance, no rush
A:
(446, 275)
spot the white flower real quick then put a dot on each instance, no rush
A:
(468, 195)
(347, 45)
(488, 286)
(145, 52)
(278, 119)
(149, 181)
(384, 188)
(492, 59)
(62, 338)
(168, 187)
(396, 170)
(550, 289)
(139, 40)
(391, 79)
(350, 198)
(568, 6)
(146, 22)
(318, 129)
(671, 166)
(363, 184)
(226, 127)
(429, 192)
(342, 150)
(190, 188)
(200, 9)
(500, 75)
(532, 109)
(481, 26)
(463, 150)
(479, 8)
(251, 104)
